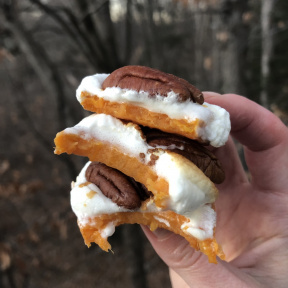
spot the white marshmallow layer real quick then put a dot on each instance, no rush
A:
(216, 120)
(189, 188)
(88, 201)
(186, 192)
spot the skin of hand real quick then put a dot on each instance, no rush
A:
(252, 212)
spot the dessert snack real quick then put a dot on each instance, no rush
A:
(139, 173)
(155, 99)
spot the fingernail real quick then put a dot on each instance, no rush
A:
(161, 233)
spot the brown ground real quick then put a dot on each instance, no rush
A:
(40, 243)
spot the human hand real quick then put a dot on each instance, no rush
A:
(252, 215)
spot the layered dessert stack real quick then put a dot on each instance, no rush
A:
(148, 160)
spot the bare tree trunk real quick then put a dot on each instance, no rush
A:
(134, 244)
(154, 41)
(128, 31)
(90, 26)
(108, 37)
(200, 32)
(232, 42)
(267, 44)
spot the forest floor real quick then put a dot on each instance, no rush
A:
(40, 243)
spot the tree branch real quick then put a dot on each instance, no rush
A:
(91, 31)
(76, 34)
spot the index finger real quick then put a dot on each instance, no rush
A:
(252, 125)
(262, 133)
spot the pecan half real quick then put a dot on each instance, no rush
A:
(192, 150)
(121, 189)
(141, 78)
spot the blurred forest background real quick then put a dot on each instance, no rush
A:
(46, 48)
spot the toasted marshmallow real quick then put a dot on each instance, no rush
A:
(178, 195)
(188, 188)
(88, 202)
(213, 122)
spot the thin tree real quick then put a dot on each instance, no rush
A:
(267, 46)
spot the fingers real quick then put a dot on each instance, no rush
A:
(264, 136)
(254, 126)
(192, 266)
(176, 280)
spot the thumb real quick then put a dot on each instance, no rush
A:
(193, 266)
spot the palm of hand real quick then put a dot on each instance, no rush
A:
(252, 214)
(249, 218)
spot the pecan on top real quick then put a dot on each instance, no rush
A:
(155, 82)
(121, 189)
